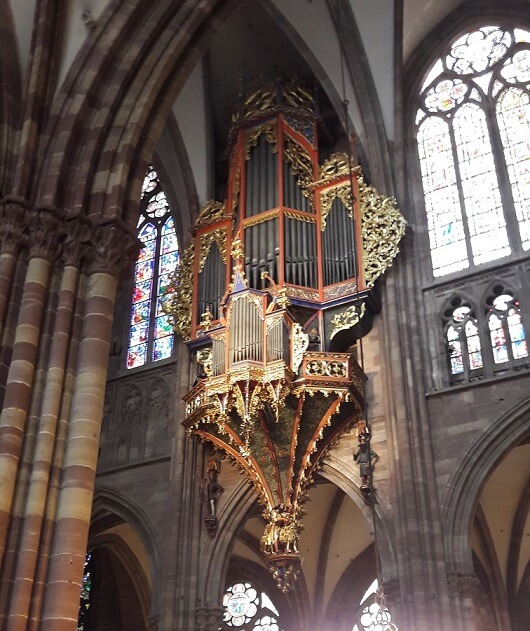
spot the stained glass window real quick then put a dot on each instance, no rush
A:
(462, 338)
(150, 334)
(375, 615)
(86, 590)
(476, 97)
(506, 329)
(248, 609)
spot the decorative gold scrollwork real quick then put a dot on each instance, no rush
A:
(299, 98)
(238, 251)
(262, 99)
(382, 228)
(348, 318)
(337, 165)
(253, 136)
(382, 225)
(344, 192)
(219, 236)
(211, 212)
(298, 217)
(301, 165)
(235, 188)
(178, 297)
(204, 358)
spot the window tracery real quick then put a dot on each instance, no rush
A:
(248, 609)
(375, 615)
(505, 326)
(462, 339)
(473, 135)
(150, 334)
(490, 341)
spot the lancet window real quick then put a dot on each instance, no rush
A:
(473, 135)
(505, 327)
(488, 341)
(86, 590)
(462, 340)
(248, 609)
(150, 334)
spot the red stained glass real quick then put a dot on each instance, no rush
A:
(156, 260)
(136, 356)
(142, 291)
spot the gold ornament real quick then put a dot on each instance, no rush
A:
(348, 318)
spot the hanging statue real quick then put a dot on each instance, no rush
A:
(366, 458)
(211, 491)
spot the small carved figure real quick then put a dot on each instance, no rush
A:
(366, 458)
(211, 491)
(281, 533)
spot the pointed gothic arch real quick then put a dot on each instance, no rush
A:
(476, 465)
(111, 508)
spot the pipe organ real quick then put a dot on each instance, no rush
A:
(274, 272)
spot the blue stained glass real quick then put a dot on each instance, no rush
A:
(158, 235)
(137, 356)
(140, 312)
(168, 263)
(147, 233)
(163, 283)
(142, 291)
(138, 334)
(169, 226)
(144, 270)
(147, 252)
(517, 334)
(163, 348)
(162, 327)
(169, 243)
(159, 311)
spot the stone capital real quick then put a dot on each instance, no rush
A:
(13, 224)
(464, 586)
(113, 249)
(46, 232)
(76, 242)
(208, 619)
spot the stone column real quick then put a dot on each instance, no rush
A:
(67, 556)
(13, 218)
(469, 603)
(44, 236)
(28, 548)
(48, 525)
